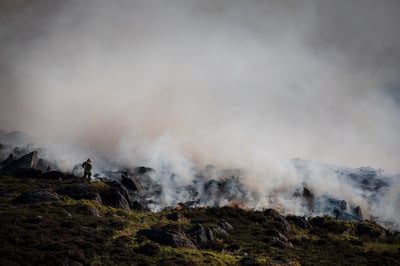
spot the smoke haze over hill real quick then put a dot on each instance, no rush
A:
(173, 84)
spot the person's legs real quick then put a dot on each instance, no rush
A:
(86, 175)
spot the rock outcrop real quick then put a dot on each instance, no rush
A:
(27, 161)
(169, 235)
(35, 197)
(80, 191)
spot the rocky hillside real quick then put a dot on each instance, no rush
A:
(50, 217)
(53, 218)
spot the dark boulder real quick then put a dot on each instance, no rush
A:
(27, 161)
(198, 233)
(336, 208)
(278, 239)
(225, 225)
(34, 197)
(168, 235)
(299, 221)
(306, 196)
(326, 204)
(141, 170)
(358, 213)
(112, 197)
(307, 193)
(281, 220)
(112, 184)
(129, 183)
(143, 180)
(80, 191)
(209, 234)
(9, 160)
(219, 231)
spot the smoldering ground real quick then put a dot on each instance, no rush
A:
(180, 84)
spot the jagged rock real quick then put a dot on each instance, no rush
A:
(232, 189)
(209, 234)
(278, 218)
(9, 160)
(334, 207)
(198, 233)
(113, 198)
(276, 235)
(306, 196)
(225, 225)
(327, 203)
(80, 191)
(26, 161)
(358, 213)
(94, 212)
(35, 196)
(142, 177)
(168, 235)
(218, 230)
(130, 183)
(119, 187)
(278, 239)
(299, 221)
(307, 193)
(142, 170)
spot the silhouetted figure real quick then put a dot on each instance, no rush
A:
(87, 170)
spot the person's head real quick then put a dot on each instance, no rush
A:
(88, 160)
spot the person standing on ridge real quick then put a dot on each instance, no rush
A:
(87, 169)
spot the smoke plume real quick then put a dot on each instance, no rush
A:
(177, 85)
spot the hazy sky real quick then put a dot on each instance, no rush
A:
(235, 83)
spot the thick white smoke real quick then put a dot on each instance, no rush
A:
(179, 84)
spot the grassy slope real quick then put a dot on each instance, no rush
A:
(64, 233)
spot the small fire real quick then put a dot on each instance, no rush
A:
(237, 205)
(180, 206)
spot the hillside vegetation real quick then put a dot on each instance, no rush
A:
(41, 224)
